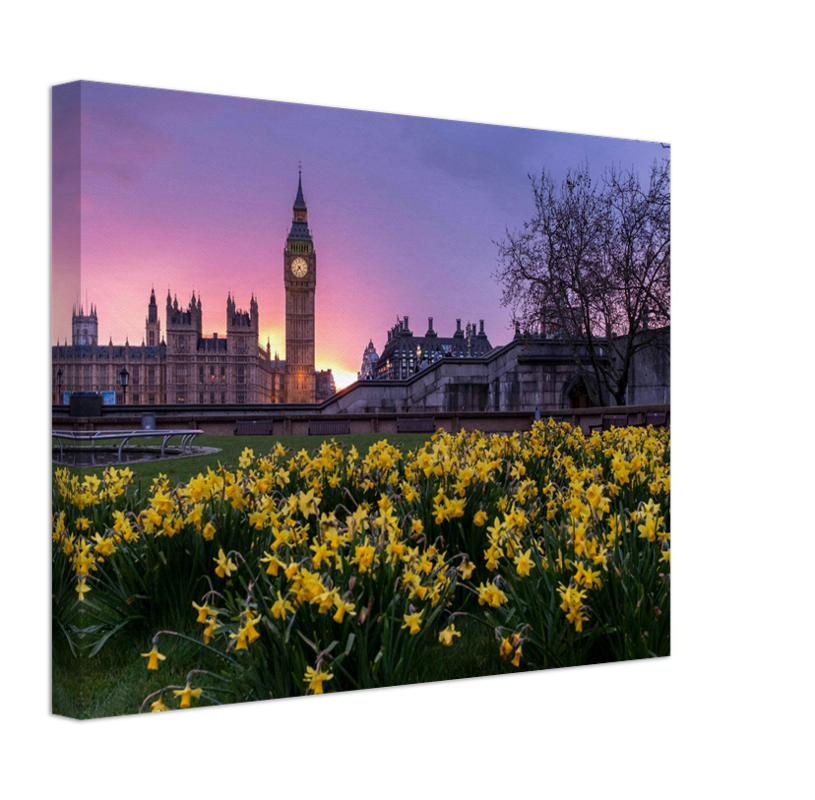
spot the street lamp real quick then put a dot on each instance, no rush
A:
(124, 377)
(59, 385)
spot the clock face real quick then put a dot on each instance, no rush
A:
(299, 267)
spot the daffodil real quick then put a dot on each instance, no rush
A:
(343, 608)
(203, 612)
(412, 621)
(308, 503)
(280, 607)
(648, 530)
(186, 693)
(274, 564)
(315, 679)
(226, 566)
(158, 705)
(212, 624)
(246, 459)
(466, 570)
(83, 588)
(153, 657)
(524, 564)
(577, 617)
(446, 636)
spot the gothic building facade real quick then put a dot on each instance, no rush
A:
(369, 359)
(404, 354)
(186, 367)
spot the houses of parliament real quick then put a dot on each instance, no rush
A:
(184, 366)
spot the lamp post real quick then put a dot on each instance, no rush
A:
(124, 377)
(59, 385)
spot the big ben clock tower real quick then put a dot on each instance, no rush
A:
(300, 280)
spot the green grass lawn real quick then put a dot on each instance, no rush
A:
(180, 470)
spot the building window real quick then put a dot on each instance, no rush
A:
(239, 374)
(241, 398)
(201, 397)
(223, 374)
(134, 378)
(151, 399)
(151, 377)
(135, 399)
(201, 375)
(87, 375)
(103, 376)
(212, 398)
(181, 374)
(182, 398)
(151, 338)
(223, 397)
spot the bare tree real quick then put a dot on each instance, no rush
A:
(593, 264)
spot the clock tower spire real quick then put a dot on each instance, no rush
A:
(300, 281)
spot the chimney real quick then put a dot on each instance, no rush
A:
(481, 327)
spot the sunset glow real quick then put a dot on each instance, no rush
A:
(192, 192)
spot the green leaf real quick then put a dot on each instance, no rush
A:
(101, 643)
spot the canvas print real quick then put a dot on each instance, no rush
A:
(346, 400)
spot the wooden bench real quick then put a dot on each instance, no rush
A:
(324, 427)
(610, 421)
(415, 424)
(659, 419)
(255, 427)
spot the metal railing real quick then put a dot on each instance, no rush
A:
(186, 435)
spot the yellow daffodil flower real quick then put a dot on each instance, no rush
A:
(315, 679)
(446, 636)
(186, 693)
(203, 612)
(523, 563)
(225, 566)
(412, 621)
(153, 657)
(280, 607)
(212, 624)
(158, 706)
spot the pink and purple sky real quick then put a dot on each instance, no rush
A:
(167, 189)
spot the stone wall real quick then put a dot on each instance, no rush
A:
(525, 375)
(521, 376)
(649, 379)
(220, 422)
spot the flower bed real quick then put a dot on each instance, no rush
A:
(333, 571)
